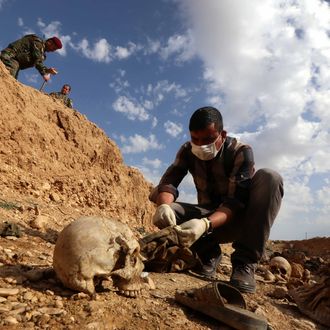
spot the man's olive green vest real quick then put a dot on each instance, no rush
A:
(28, 52)
(66, 100)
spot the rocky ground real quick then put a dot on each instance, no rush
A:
(55, 166)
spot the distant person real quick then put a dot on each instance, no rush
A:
(234, 203)
(63, 95)
(30, 51)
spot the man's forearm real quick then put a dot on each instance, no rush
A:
(220, 217)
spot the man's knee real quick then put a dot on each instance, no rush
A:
(269, 178)
(11, 64)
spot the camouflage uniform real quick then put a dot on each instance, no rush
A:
(66, 100)
(24, 53)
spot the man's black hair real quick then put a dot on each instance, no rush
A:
(67, 85)
(205, 116)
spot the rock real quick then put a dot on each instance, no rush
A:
(5, 292)
(17, 311)
(9, 280)
(54, 197)
(11, 238)
(279, 292)
(28, 296)
(51, 311)
(10, 320)
(297, 270)
(94, 326)
(46, 186)
(260, 311)
(39, 222)
(80, 295)
(5, 309)
(59, 304)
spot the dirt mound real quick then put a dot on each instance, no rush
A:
(55, 165)
(55, 155)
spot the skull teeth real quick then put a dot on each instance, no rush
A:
(131, 293)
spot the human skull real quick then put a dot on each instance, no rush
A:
(281, 268)
(92, 247)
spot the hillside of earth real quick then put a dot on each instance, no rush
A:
(55, 166)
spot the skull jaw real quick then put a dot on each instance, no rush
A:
(130, 288)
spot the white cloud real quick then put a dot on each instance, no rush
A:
(20, 21)
(130, 109)
(125, 52)
(179, 46)
(152, 47)
(149, 97)
(33, 77)
(323, 196)
(154, 122)
(187, 192)
(182, 46)
(119, 84)
(100, 52)
(254, 57)
(137, 143)
(178, 113)
(155, 163)
(150, 173)
(172, 128)
(266, 65)
(164, 88)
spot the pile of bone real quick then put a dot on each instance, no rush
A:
(291, 267)
(301, 279)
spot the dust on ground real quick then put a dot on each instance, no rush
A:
(55, 165)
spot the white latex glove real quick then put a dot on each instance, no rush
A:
(190, 231)
(46, 76)
(164, 216)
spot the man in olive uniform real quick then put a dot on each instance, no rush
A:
(30, 51)
(63, 95)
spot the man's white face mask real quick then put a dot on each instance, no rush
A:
(207, 151)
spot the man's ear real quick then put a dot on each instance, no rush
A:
(223, 134)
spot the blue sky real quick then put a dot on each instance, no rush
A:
(138, 69)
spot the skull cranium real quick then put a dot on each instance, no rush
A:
(93, 247)
(281, 268)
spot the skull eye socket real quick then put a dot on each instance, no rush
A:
(277, 269)
(283, 271)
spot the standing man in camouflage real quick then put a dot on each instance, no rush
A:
(63, 95)
(30, 51)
